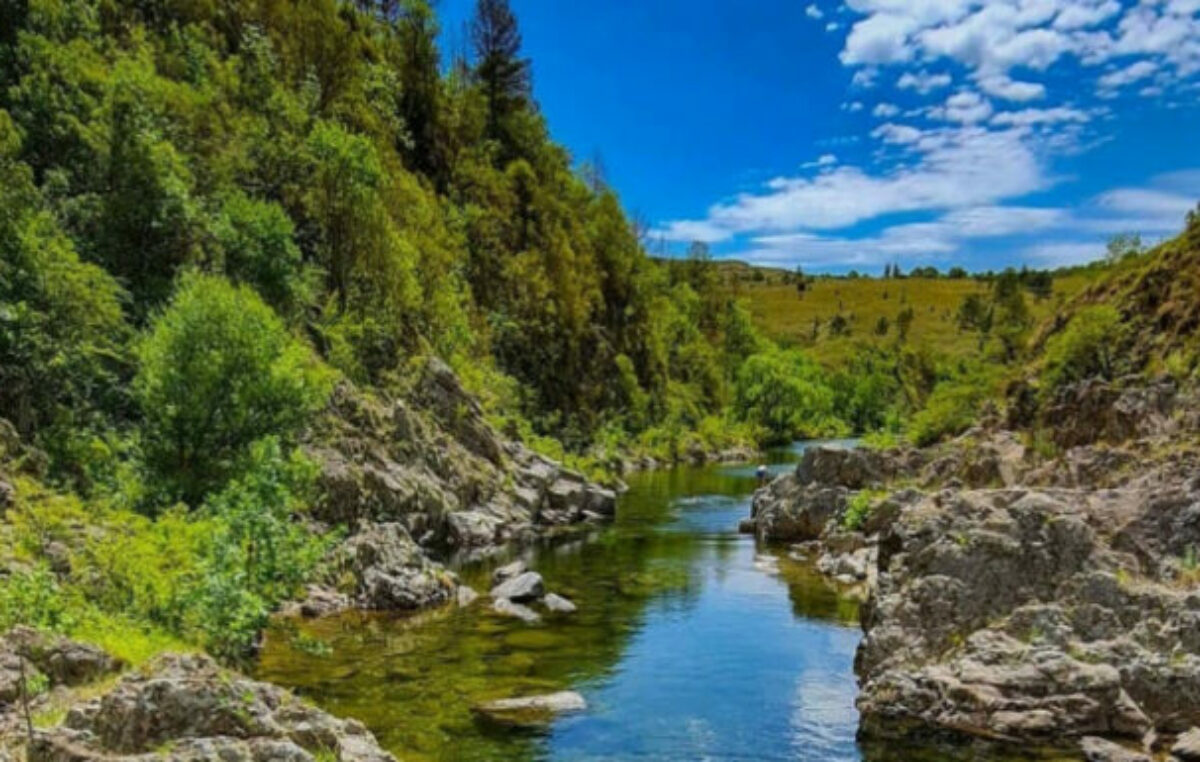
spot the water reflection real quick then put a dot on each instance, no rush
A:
(690, 643)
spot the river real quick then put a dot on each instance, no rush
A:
(691, 642)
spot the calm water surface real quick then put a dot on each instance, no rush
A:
(690, 643)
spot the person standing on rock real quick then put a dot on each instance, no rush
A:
(761, 473)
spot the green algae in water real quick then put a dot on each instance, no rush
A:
(671, 563)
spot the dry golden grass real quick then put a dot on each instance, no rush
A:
(787, 316)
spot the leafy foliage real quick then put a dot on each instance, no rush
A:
(218, 370)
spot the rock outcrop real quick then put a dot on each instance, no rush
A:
(426, 475)
(1023, 599)
(187, 709)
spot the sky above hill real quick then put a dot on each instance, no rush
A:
(840, 136)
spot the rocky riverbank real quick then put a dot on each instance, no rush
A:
(1024, 598)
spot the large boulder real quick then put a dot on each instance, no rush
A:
(787, 511)
(1012, 615)
(392, 572)
(1096, 410)
(186, 708)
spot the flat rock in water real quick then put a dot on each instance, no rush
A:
(507, 608)
(466, 596)
(531, 711)
(1097, 749)
(559, 604)
(508, 571)
(527, 586)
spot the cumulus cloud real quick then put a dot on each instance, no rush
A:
(1002, 86)
(813, 12)
(956, 167)
(923, 82)
(885, 110)
(965, 107)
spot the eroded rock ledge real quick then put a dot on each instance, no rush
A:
(1023, 599)
(423, 476)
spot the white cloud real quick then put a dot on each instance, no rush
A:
(865, 78)
(852, 106)
(1031, 116)
(691, 230)
(832, 26)
(824, 160)
(1128, 75)
(923, 82)
(1063, 254)
(885, 110)
(957, 167)
(992, 38)
(897, 134)
(965, 107)
(1001, 86)
(813, 12)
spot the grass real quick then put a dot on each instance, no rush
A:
(787, 316)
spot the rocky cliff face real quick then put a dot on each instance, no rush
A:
(1024, 599)
(427, 475)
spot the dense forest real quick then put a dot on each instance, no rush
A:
(214, 212)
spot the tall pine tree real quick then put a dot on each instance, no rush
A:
(499, 69)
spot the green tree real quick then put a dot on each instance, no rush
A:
(785, 395)
(218, 370)
(502, 73)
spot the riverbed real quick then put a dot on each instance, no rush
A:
(691, 641)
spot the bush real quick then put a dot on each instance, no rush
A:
(218, 371)
(952, 407)
(786, 395)
(1087, 348)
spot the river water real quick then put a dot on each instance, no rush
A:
(691, 642)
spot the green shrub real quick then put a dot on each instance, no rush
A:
(218, 371)
(953, 406)
(858, 509)
(1088, 347)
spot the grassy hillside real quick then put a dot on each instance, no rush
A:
(803, 319)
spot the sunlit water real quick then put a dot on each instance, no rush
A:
(690, 643)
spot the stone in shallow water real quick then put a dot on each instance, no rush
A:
(559, 604)
(523, 587)
(507, 608)
(1100, 750)
(466, 596)
(531, 711)
(508, 571)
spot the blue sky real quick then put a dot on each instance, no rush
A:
(836, 135)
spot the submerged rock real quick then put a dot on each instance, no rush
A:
(559, 604)
(508, 571)
(466, 596)
(527, 586)
(531, 711)
(505, 607)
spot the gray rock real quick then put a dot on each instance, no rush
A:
(527, 586)
(531, 711)
(508, 571)
(558, 604)
(187, 709)
(392, 571)
(466, 596)
(1097, 749)
(505, 607)
(1187, 747)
